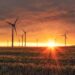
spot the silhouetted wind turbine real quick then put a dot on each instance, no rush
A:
(25, 37)
(65, 38)
(13, 27)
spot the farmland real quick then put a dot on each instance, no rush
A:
(37, 61)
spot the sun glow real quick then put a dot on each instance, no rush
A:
(51, 44)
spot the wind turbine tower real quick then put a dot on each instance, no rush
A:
(65, 38)
(22, 39)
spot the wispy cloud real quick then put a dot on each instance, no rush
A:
(63, 9)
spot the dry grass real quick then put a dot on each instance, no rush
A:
(37, 61)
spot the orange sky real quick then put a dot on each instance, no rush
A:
(43, 20)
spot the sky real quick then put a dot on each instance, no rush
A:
(41, 19)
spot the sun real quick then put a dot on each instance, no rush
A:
(51, 44)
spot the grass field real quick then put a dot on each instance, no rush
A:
(37, 61)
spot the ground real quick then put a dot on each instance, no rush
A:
(37, 61)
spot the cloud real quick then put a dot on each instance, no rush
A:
(10, 8)
(34, 12)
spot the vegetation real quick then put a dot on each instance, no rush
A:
(37, 61)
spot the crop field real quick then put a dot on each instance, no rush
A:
(37, 61)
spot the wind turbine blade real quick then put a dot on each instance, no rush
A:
(16, 20)
(15, 30)
(24, 31)
(9, 23)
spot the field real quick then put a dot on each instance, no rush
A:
(37, 61)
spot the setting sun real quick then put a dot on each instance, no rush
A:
(51, 44)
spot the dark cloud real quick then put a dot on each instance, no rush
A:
(38, 11)
(36, 5)
(67, 16)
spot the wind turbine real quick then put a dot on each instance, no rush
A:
(25, 37)
(13, 28)
(65, 38)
